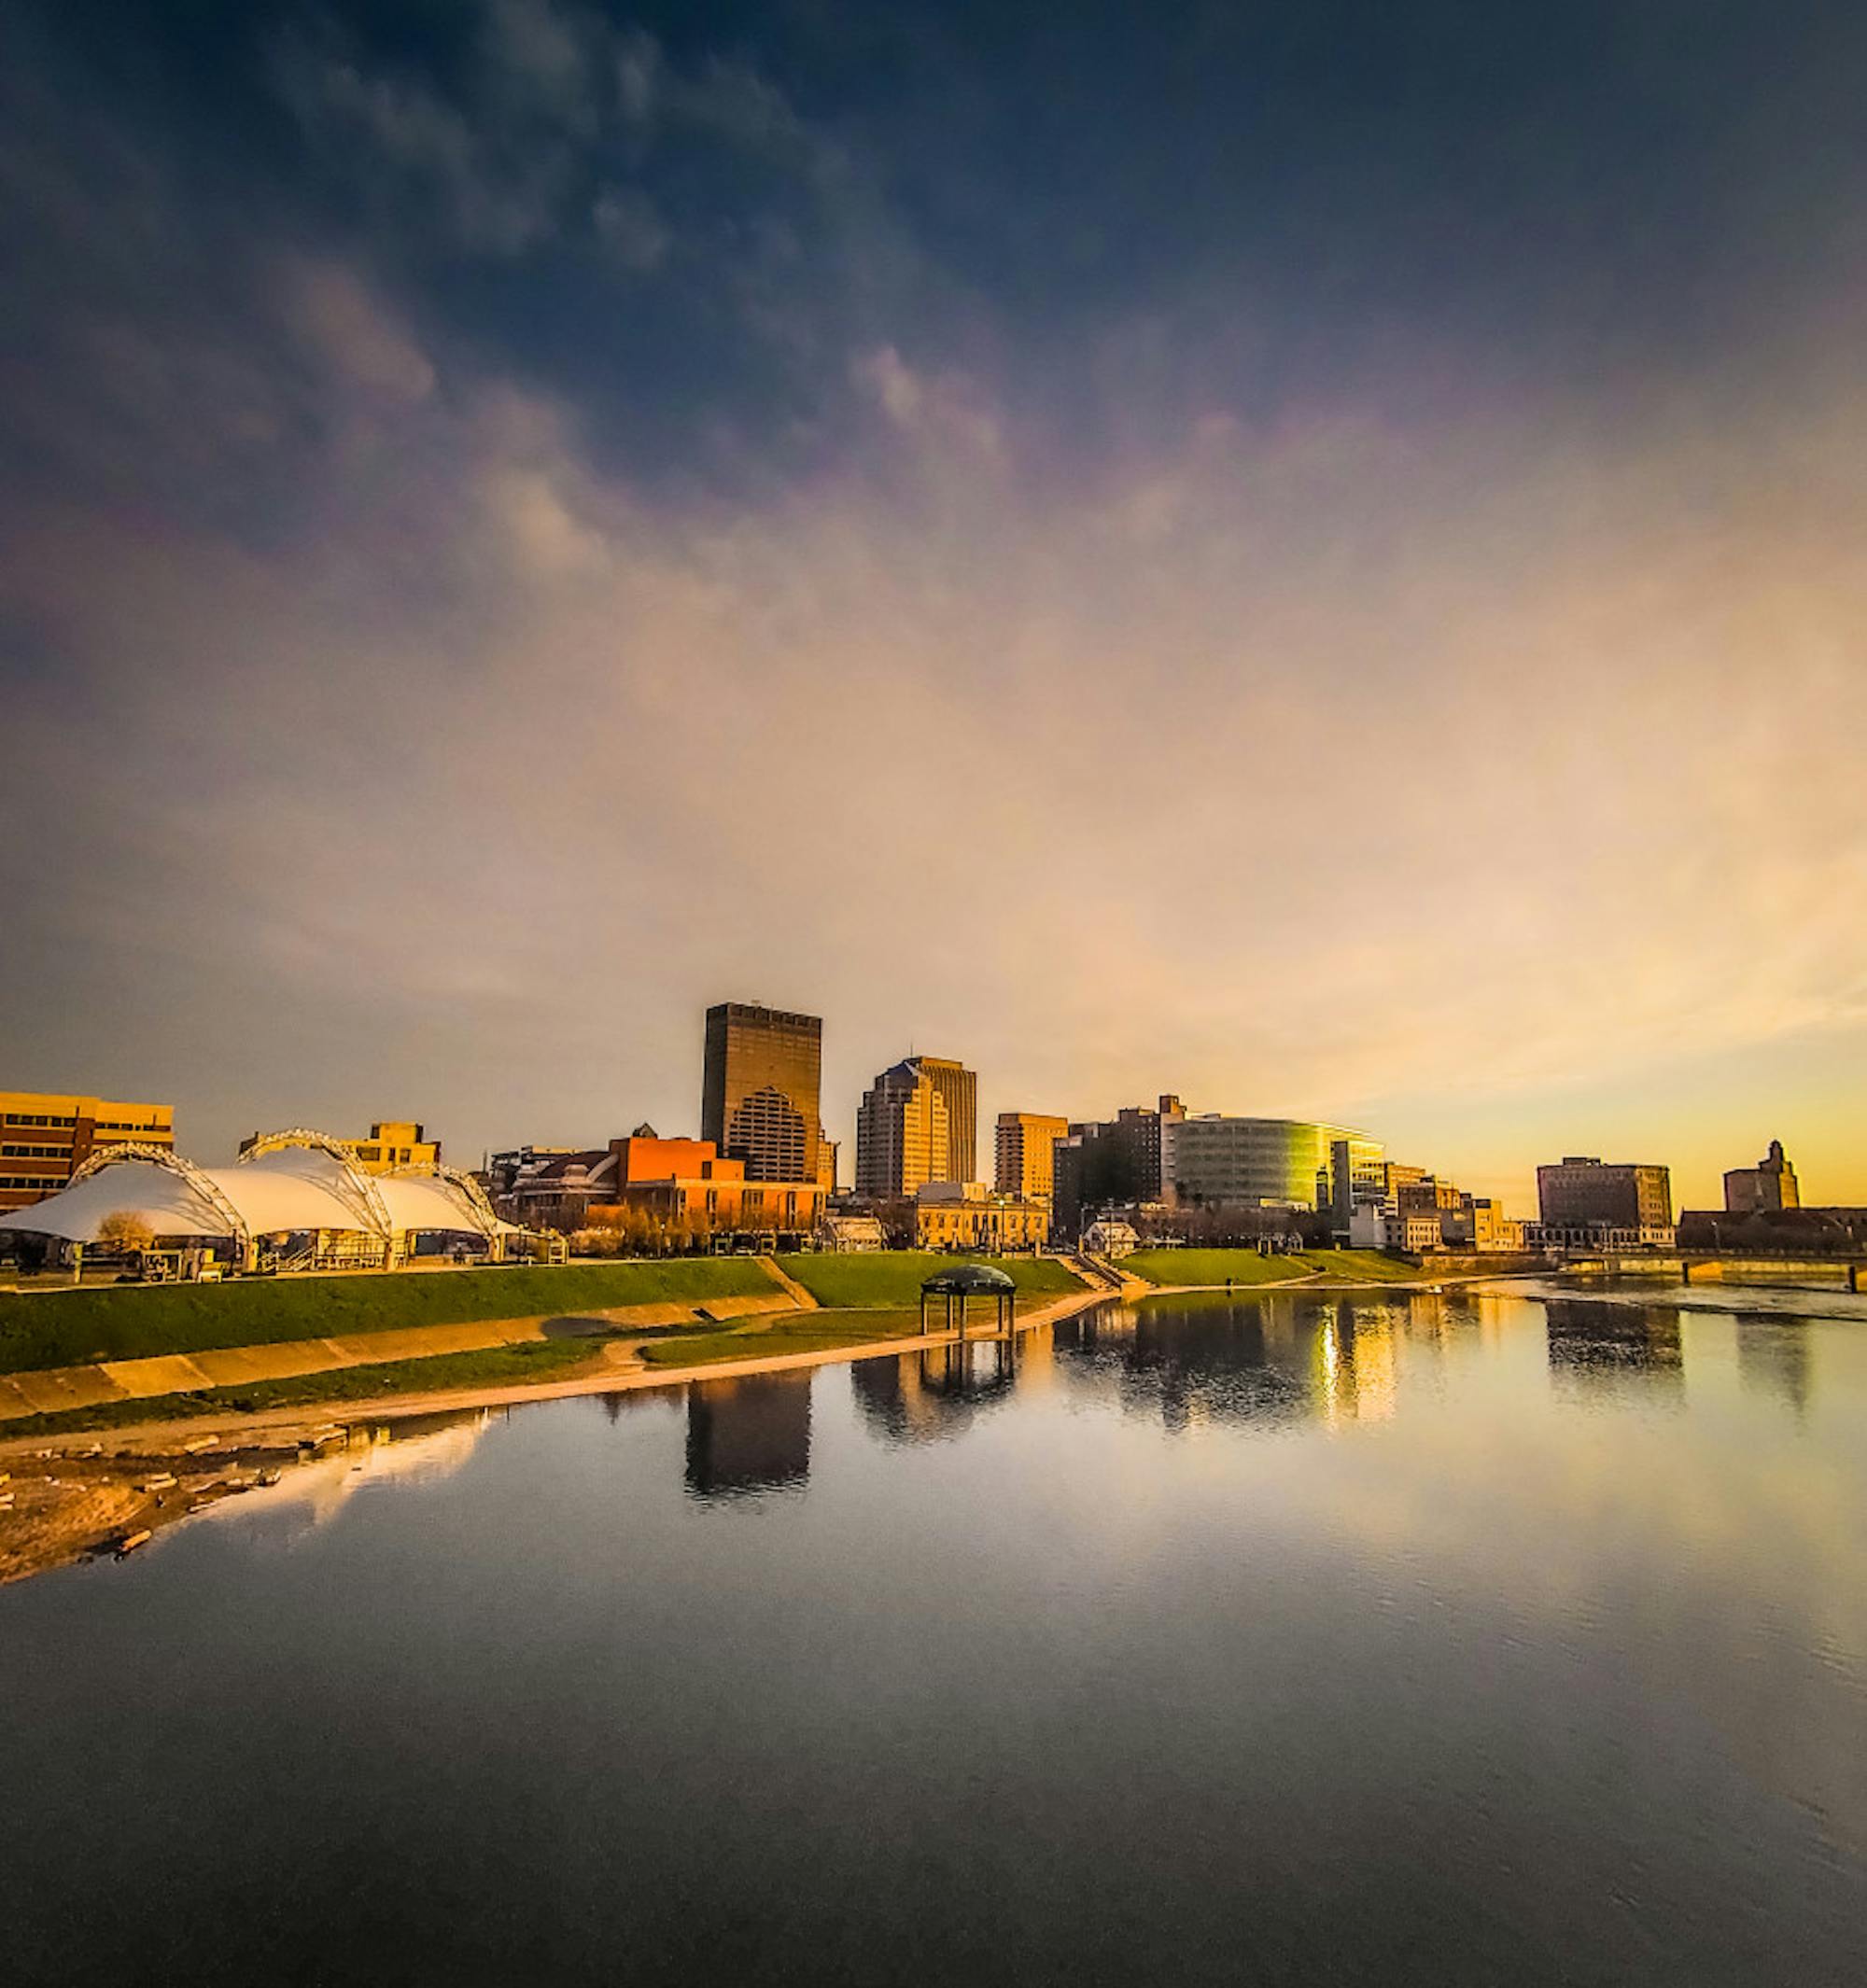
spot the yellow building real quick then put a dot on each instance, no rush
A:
(392, 1142)
(44, 1136)
(949, 1215)
(1025, 1152)
(395, 1142)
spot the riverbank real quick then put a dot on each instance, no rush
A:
(79, 1492)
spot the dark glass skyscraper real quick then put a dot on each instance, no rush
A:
(760, 1093)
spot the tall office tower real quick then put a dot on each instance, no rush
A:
(958, 1089)
(1024, 1153)
(759, 1097)
(903, 1140)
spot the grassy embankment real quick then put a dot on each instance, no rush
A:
(1246, 1267)
(494, 1366)
(894, 1277)
(866, 1299)
(124, 1321)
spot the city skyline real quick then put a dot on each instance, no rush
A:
(1519, 1188)
(514, 518)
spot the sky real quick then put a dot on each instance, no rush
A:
(1309, 557)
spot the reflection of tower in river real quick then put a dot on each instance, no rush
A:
(1773, 1358)
(1354, 1373)
(1605, 1348)
(749, 1434)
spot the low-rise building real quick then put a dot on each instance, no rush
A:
(1581, 1196)
(851, 1235)
(1108, 1236)
(46, 1136)
(968, 1215)
(1373, 1227)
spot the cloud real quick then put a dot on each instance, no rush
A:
(632, 227)
(338, 319)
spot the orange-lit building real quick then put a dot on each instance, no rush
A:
(46, 1136)
(1024, 1152)
(674, 1179)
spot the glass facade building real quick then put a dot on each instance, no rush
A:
(1257, 1162)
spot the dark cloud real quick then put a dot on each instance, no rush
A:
(451, 454)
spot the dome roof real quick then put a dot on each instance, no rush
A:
(969, 1277)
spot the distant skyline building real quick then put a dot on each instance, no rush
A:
(1580, 1194)
(1109, 1163)
(46, 1136)
(1212, 1161)
(761, 1091)
(1766, 1188)
(1023, 1153)
(902, 1136)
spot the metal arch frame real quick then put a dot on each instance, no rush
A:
(185, 1170)
(365, 1189)
(475, 1194)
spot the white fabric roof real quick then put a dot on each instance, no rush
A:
(297, 1187)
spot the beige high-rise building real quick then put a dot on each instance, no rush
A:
(902, 1139)
(958, 1089)
(1024, 1153)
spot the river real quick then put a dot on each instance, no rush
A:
(1476, 1638)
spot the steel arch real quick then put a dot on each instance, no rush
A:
(185, 1171)
(363, 1188)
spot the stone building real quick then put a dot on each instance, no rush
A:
(1766, 1188)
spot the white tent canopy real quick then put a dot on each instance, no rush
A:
(287, 1189)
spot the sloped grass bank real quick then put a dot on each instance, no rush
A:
(495, 1366)
(1246, 1267)
(894, 1277)
(65, 1328)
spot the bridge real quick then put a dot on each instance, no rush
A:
(1848, 1272)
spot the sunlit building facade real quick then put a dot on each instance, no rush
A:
(1766, 1188)
(902, 1134)
(46, 1136)
(1214, 1161)
(1024, 1153)
(761, 1092)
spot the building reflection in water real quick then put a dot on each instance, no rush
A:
(935, 1394)
(1355, 1363)
(1773, 1358)
(1599, 1348)
(748, 1434)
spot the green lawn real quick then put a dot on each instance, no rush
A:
(894, 1277)
(799, 1332)
(493, 1367)
(63, 1328)
(1246, 1266)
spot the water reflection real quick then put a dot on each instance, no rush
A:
(1268, 1360)
(1597, 1350)
(748, 1434)
(1773, 1358)
(936, 1393)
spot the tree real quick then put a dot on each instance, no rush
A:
(124, 1234)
